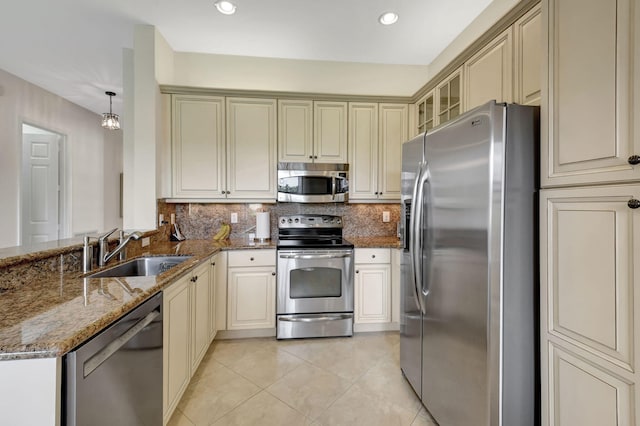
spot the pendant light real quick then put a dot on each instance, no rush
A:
(110, 120)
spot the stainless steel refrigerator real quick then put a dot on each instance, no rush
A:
(468, 327)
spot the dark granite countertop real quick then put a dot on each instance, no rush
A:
(48, 317)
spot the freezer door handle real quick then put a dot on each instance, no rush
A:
(416, 243)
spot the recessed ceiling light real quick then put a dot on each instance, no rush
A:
(225, 7)
(388, 18)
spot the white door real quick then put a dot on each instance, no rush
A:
(40, 188)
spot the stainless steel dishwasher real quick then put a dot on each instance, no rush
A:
(116, 377)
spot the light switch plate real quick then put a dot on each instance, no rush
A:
(386, 217)
(234, 217)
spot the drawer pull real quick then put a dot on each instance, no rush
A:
(251, 259)
(634, 160)
(633, 203)
(373, 256)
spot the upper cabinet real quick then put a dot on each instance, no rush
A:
(588, 133)
(211, 163)
(448, 97)
(198, 146)
(426, 112)
(295, 131)
(312, 132)
(376, 134)
(330, 132)
(251, 142)
(488, 74)
(527, 36)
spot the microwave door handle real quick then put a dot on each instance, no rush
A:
(333, 188)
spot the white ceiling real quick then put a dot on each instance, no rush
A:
(73, 48)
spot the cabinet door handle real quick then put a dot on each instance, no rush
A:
(633, 203)
(634, 159)
(315, 156)
(273, 273)
(311, 157)
(357, 271)
(213, 264)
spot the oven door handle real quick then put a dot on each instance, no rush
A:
(314, 256)
(316, 319)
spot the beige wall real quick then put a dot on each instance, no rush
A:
(289, 75)
(20, 102)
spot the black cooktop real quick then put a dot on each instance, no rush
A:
(311, 231)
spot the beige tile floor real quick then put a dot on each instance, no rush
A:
(315, 382)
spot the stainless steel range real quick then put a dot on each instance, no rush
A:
(315, 278)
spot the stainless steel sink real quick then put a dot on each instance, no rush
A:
(142, 267)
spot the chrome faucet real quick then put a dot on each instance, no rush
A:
(104, 255)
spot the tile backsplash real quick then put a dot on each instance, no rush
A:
(201, 221)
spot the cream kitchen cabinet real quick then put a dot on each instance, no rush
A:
(198, 155)
(527, 65)
(590, 129)
(449, 97)
(590, 305)
(251, 145)
(376, 134)
(214, 266)
(176, 334)
(372, 297)
(330, 132)
(426, 111)
(200, 294)
(488, 73)
(186, 332)
(295, 131)
(217, 163)
(312, 132)
(251, 289)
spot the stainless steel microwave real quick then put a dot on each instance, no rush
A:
(313, 182)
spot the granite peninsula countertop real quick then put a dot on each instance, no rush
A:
(47, 318)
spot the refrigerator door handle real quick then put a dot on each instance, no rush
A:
(416, 243)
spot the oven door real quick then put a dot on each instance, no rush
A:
(315, 281)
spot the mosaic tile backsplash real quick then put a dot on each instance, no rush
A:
(201, 221)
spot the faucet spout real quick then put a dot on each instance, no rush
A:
(133, 236)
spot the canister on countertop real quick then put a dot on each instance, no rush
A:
(263, 226)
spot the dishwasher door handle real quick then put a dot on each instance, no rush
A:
(104, 354)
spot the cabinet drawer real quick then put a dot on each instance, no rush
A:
(373, 255)
(252, 258)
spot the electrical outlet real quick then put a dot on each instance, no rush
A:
(146, 241)
(386, 217)
(173, 218)
(234, 217)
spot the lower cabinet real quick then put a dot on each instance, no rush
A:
(251, 289)
(372, 286)
(590, 327)
(188, 306)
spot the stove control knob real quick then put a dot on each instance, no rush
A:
(283, 220)
(289, 220)
(325, 219)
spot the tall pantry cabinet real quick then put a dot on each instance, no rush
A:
(589, 213)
